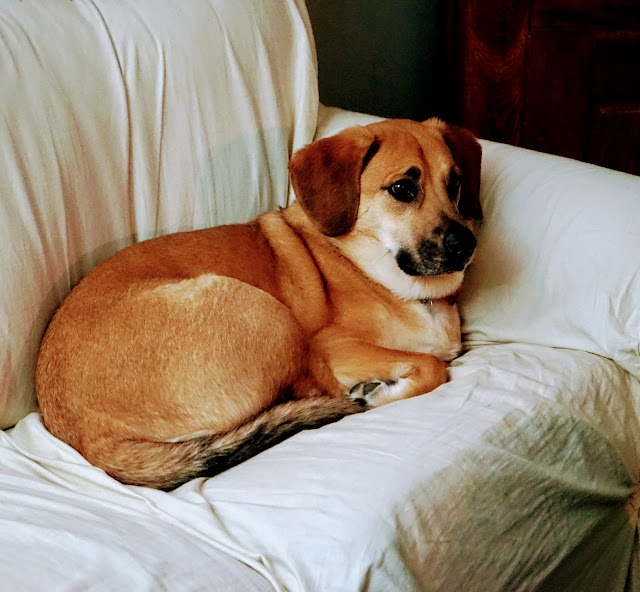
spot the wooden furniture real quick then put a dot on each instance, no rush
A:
(559, 76)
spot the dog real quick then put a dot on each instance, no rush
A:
(184, 355)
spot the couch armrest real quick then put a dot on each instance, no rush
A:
(557, 262)
(332, 120)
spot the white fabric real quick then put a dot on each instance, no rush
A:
(124, 120)
(65, 526)
(519, 473)
(558, 261)
(332, 120)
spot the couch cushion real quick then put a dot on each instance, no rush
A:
(558, 261)
(122, 121)
(520, 471)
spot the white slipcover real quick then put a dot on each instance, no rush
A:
(123, 120)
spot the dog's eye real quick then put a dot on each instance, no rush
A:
(404, 190)
(453, 185)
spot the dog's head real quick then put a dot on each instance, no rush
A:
(400, 199)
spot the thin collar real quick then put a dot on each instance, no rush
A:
(450, 300)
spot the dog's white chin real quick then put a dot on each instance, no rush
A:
(380, 265)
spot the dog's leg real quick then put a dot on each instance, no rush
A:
(410, 377)
(376, 375)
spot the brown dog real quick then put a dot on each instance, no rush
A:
(184, 355)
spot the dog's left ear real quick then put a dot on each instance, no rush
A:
(467, 153)
(326, 178)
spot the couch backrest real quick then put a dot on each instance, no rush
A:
(120, 121)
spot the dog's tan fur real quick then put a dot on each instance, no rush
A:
(186, 354)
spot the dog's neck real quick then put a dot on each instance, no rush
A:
(451, 300)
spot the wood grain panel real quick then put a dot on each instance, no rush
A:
(492, 40)
(615, 137)
(602, 14)
(559, 76)
(616, 65)
(555, 93)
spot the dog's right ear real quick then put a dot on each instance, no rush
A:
(467, 152)
(326, 178)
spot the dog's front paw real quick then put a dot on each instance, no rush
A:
(374, 394)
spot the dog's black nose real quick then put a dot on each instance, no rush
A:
(459, 241)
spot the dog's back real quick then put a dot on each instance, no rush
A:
(172, 365)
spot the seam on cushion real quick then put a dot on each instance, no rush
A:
(633, 506)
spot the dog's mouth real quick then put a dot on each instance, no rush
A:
(439, 255)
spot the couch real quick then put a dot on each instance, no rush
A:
(126, 120)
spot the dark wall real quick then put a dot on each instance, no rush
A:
(379, 56)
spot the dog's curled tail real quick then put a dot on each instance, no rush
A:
(168, 464)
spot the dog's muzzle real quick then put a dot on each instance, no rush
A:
(447, 250)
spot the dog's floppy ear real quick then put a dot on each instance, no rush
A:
(326, 178)
(467, 153)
